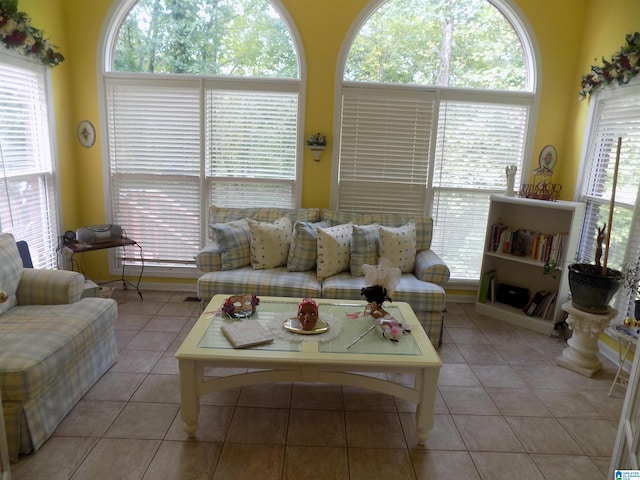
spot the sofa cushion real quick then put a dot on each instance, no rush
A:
(260, 214)
(334, 250)
(364, 247)
(270, 243)
(424, 226)
(422, 296)
(277, 282)
(10, 270)
(398, 245)
(304, 246)
(234, 240)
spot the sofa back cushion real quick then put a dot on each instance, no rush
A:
(334, 246)
(364, 247)
(398, 245)
(260, 214)
(304, 245)
(234, 240)
(270, 243)
(10, 270)
(424, 225)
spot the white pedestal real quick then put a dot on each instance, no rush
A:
(581, 355)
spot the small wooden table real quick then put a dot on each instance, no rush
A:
(78, 247)
(310, 361)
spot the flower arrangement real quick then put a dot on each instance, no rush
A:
(622, 67)
(317, 140)
(17, 33)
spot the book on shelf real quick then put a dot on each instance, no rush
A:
(487, 287)
(247, 333)
(541, 305)
(534, 305)
(523, 243)
(548, 307)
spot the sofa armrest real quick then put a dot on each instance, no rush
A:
(431, 268)
(49, 287)
(209, 258)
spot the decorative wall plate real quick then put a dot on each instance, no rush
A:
(548, 159)
(86, 133)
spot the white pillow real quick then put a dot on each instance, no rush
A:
(334, 247)
(398, 244)
(270, 243)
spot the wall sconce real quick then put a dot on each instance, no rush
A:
(317, 143)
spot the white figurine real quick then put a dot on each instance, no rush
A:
(511, 179)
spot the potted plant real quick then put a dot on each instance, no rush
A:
(594, 285)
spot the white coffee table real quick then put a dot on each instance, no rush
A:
(311, 361)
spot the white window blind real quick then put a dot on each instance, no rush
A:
(384, 150)
(178, 146)
(251, 148)
(614, 113)
(476, 141)
(391, 138)
(154, 151)
(28, 207)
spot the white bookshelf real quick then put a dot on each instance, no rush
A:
(540, 216)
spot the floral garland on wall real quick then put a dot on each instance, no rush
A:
(16, 33)
(623, 67)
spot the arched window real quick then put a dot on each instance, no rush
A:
(202, 106)
(435, 102)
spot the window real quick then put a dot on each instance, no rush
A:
(28, 205)
(202, 105)
(614, 113)
(436, 101)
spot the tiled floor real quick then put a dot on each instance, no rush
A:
(504, 411)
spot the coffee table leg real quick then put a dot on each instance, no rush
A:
(189, 402)
(427, 385)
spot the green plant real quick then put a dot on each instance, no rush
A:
(550, 268)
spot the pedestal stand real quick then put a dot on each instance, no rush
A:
(581, 355)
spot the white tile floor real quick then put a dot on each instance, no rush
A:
(504, 411)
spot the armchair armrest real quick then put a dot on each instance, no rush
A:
(431, 268)
(49, 287)
(209, 258)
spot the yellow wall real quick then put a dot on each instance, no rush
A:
(606, 24)
(569, 33)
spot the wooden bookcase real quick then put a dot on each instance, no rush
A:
(541, 216)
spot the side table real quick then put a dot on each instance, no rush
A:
(77, 247)
(626, 342)
(581, 354)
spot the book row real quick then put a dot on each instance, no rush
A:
(540, 305)
(543, 247)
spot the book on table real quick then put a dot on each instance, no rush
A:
(247, 333)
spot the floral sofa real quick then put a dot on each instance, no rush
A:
(53, 346)
(319, 254)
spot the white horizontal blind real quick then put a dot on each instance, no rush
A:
(476, 142)
(154, 152)
(27, 189)
(177, 146)
(615, 113)
(384, 150)
(250, 147)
